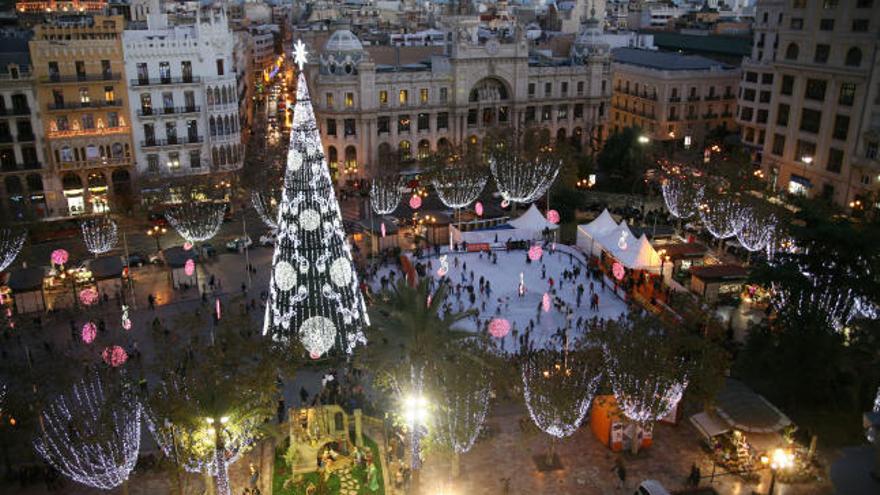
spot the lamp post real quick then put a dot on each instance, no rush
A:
(779, 459)
(156, 232)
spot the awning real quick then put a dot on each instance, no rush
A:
(709, 425)
(748, 411)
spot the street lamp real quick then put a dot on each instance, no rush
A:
(415, 412)
(807, 159)
(778, 459)
(644, 139)
(156, 232)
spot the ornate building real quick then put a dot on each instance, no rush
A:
(410, 101)
(80, 85)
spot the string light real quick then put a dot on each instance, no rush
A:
(459, 187)
(89, 332)
(11, 242)
(558, 390)
(721, 215)
(99, 234)
(385, 194)
(267, 208)
(459, 420)
(196, 221)
(524, 181)
(114, 356)
(88, 296)
(59, 256)
(89, 438)
(553, 216)
(681, 196)
(756, 230)
(415, 201)
(313, 292)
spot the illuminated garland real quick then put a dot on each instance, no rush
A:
(196, 221)
(681, 196)
(313, 292)
(557, 391)
(99, 234)
(11, 242)
(524, 181)
(756, 230)
(267, 207)
(459, 187)
(722, 216)
(89, 438)
(385, 194)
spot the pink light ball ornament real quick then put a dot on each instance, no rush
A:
(89, 332)
(126, 324)
(314, 355)
(415, 202)
(499, 327)
(505, 203)
(535, 252)
(115, 356)
(59, 256)
(187, 246)
(189, 268)
(553, 216)
(478, 208)
(618, 271)
(88, 296)
(382, 228)
(545, 302)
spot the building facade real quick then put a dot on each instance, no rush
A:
(380, 102)
(80, 86)
(184, 97)
(671, 96)
(30, 190)
(809, 102)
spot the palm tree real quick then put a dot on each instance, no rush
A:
(408, 335)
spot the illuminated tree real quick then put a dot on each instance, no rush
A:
(196, 221)
(266, 204)
(457, 187)
(523, 177)
(385, 194)
(11, 242)
(721, 214)
(99, 234)
(681, 194)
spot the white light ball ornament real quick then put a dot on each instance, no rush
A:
(340, 272)
(295, 161)
(317, 335)
(285, 276)
(309, 220)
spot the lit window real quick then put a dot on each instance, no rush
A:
(174, 160)
(329, 100)
(423, 95)
(383, 97)
(349, 100)
(84, 95)
(403, 96)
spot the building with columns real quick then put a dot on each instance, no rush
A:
(184, 97)
(410, 101)
(81, 89)
(809, 101)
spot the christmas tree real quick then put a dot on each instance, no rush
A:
(313, 292)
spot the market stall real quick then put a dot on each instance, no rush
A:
(182, 264)
(26, 286)
(714, 282)
(588, 233)
(107, 272)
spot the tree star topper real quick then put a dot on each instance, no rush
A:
(300, 55)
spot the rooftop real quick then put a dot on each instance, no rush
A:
(664, 60)
(732, 46)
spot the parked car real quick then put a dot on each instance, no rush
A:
(134, 259)
(156, 258)
(651, 487)
(208, 249)
(239, 243)
(268, 239)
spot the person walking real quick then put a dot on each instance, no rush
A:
(620, 470)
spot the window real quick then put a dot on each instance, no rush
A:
(548, 90)
(749, 94)
(84, 96)
(765, 97)
(423, 95)
(871, 149)
(383, 125)
(149, 135)
(841, 127)
(778, 145)
(54, 74)
(349, 100)
(331, 127)
(797, 23)
(109, 94)
(165, 72)
(791, 52)
(745, 114)
(472, 117)
(826, 24)
(106, 71)
(530, 114)
(112, 119)
(531, 89)
(765, 79)
(562, 112)
(444, 95)
(822, 53)
(329, 99)
(186, 71)
(174, 160)
(383, 97)
(762, 116)
(579, 111)
(860, 25)
(168, 102)
(835, 160)
(563, 89)
(403, 124)
(810, 120)
(545, 113)
(143, 74)
(751, 77)
(847, 94)
(153, 163)
(189, 100)
(192, 131)
(827, 191)
(146, 104)
(580, 87)
(442, 121)
(805, 149)
(220, 68)
(403, 97)
(88, 121)
(787, 85)
(853, 57)
(799, 4)
(195, 159)
(58, 98)
(350, 128)
(815, 89)
(80, 70)
(422, 122)
(171, 132)
(782, 112)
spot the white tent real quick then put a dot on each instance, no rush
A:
(588, 233)
(639, 255)
(532, 220)
(615, 241)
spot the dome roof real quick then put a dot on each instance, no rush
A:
(343, 41)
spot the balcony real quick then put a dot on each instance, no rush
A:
(4, 112)
(729, 96)
(80, 78)
(84, 105)
(693, 98)
(158, 112)
(712, 98)
(674, 99)
(164, 81)
(102, 162)
(179, 141)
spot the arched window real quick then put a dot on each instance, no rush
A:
(216, 96)
(71, 182)
(351, 158)
(213, 126)
(560, 135)
(223, 96)
(215, 156)
(222, 155)
(791, 52)
(226, 128)
(210, 96)
(488, 90)
(332, 156)
(229, 155)
(405, 150)
(424, 149)
(116, 150)
(443, 145)
(66, 154)
(853, 57)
